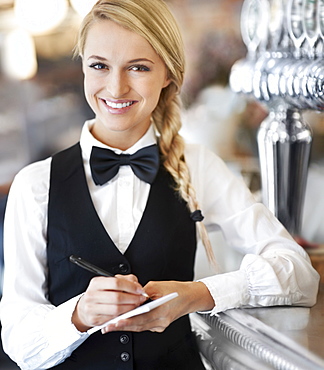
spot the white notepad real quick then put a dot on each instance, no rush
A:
(146, 307)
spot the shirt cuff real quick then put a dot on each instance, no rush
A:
(59, 329)
(229, 290)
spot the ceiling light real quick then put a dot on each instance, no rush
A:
(82, 7)
(40, 16)
(19, 55)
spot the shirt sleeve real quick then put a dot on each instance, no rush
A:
(275, 270)
(32, 328)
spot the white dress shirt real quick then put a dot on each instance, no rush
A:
(37, 335)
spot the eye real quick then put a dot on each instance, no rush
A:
(98, 65)
(140, 68)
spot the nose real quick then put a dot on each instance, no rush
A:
(117, 84)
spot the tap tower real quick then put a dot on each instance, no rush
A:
(284, 69)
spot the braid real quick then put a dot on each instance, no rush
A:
(167, 121)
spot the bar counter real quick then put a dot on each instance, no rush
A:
(289, 338)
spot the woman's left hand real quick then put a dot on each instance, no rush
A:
(192, 297)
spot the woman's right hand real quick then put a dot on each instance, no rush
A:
(106, 298)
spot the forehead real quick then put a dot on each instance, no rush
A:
(107, 38)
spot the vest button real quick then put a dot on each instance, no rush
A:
(123, 267)
(125, 356)
(124, 339)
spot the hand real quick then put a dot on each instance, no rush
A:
(106, 298)
(193, 296)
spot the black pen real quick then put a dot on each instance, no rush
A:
(92, 268)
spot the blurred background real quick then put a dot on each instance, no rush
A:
(42, 107)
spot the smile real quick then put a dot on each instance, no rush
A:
(118, 105)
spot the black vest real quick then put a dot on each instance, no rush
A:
(163, 248)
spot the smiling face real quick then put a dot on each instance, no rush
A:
(123, 79)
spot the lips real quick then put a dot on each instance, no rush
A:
(118, 105)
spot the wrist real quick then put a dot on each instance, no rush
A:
(200, 297)
(77, 322)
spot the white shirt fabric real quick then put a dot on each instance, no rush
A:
(37, 335)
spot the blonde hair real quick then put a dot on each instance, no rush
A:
(153, 20)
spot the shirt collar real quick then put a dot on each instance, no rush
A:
(87, 141)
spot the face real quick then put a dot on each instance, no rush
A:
(123, 79)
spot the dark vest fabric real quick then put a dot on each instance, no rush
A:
(163, 248)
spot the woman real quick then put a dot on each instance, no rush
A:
(141, 228)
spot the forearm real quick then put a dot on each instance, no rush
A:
(277, 277)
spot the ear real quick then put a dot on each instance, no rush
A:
(166, 82)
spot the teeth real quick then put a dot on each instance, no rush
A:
(118, 105)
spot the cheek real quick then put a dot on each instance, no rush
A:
(93, 82)
(153, 91)
(89, 92)
(88, 86)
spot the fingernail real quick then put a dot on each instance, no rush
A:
(143, 298)
(142, 292)
(107, 329)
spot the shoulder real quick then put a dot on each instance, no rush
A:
(200, 158)
(211, 176)
(28, 195)
(34, 177)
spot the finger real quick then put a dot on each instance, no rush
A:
(117, 284)
(154, 291)
(148, 321)
(112, 327)
(98, 306)
(132, 324)
(96, 314)
(129, 277)
(104, 298)
(158, 325)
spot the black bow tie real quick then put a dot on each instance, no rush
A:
(105, 163)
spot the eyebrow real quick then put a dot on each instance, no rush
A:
(131, 61)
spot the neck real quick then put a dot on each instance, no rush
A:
(117, 140)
